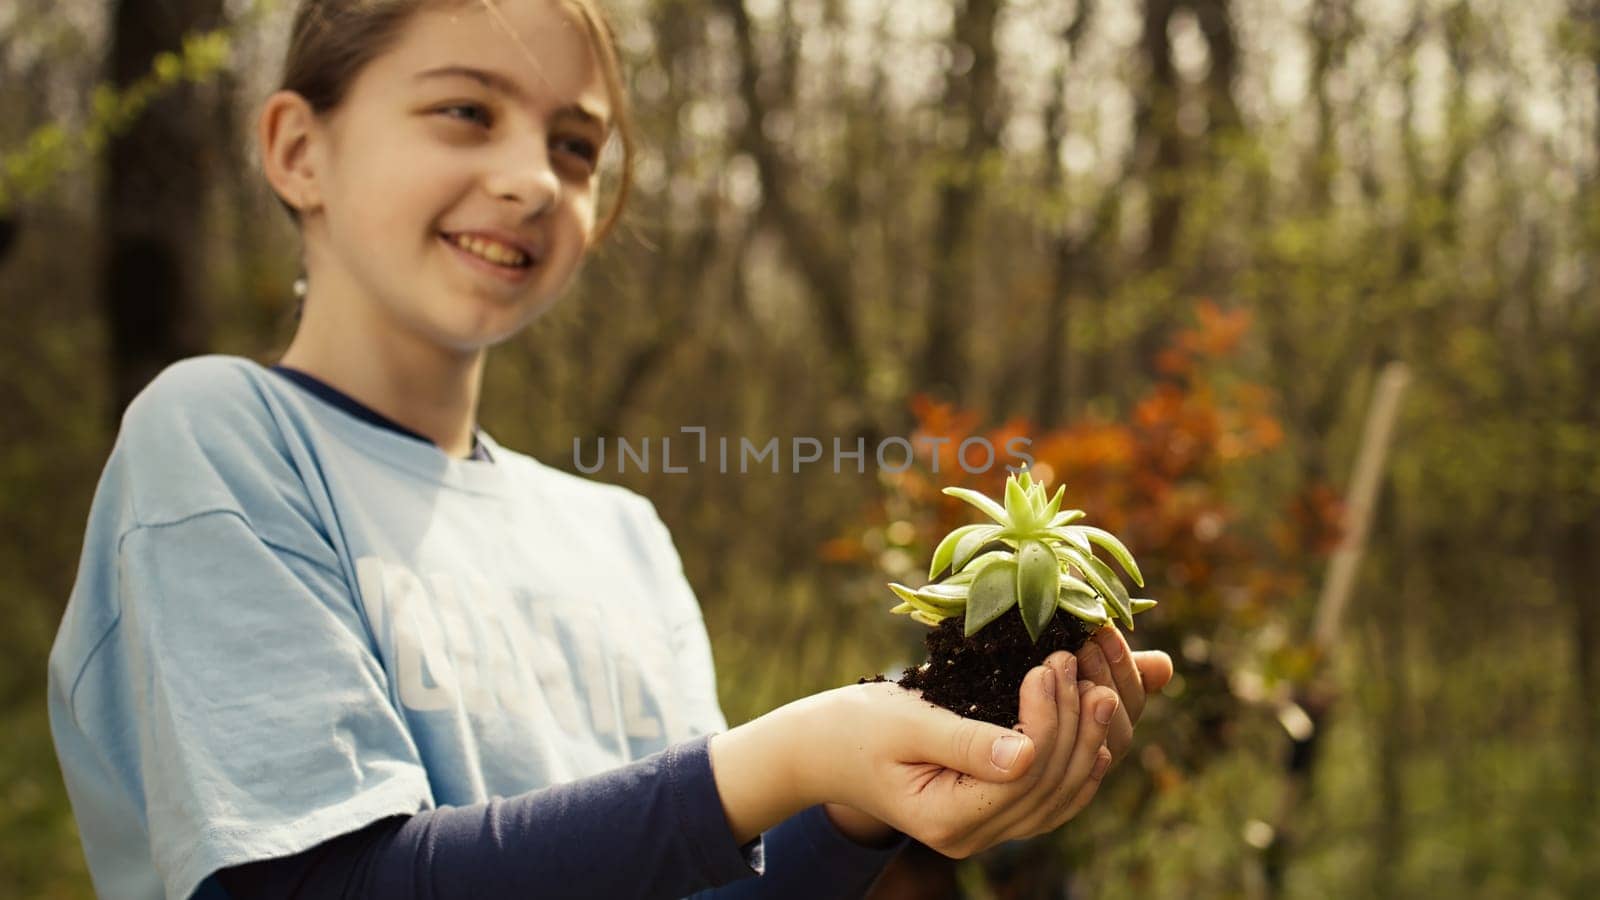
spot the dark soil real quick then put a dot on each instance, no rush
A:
(979, 677)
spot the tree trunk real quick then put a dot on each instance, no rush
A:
(1052, 403)
(1222, 106)
(154, 201)
(1577, 549)
(1330, 30)
(1159, 143)
(975, 92)
(1161, 160)
(825, 271)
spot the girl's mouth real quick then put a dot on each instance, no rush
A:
(494, 257)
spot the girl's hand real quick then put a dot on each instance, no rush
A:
(1107, 660)
(940, 777)
(1134, 675)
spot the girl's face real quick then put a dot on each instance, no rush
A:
(457, 180)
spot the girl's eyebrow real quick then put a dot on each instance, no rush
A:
(497, 82)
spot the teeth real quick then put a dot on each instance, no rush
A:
(493, 251)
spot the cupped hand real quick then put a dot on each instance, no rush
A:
(960, 785)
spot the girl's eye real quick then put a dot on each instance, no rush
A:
(467, 112)
(581, 148)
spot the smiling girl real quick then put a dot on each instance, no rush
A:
(329, 639)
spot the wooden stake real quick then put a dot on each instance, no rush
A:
(1376, 436)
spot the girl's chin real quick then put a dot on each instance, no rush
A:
(462, 332)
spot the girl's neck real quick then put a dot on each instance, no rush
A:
(401, 375)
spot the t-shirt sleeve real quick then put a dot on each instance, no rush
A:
(803, 856)
(261, 718)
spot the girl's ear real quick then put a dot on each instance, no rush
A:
(285, 133)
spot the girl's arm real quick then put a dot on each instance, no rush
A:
(674, 823)
(654, 828)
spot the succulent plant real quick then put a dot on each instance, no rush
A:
(1030, 556)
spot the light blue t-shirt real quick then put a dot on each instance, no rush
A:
(289, 622)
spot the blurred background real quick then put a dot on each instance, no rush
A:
(1297, 297)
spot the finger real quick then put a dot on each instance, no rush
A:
(1155, 668)
(1092, 665)
(1099, 711)
(1124, 675)
(1054, 756)
(1031, 804)
(1037, 712)
(984, 751)
(1102, 763)
(1064, 667)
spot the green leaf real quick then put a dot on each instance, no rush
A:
(1018, 507)
(996, 552)
(993, 592)
(1038, 586)
(970, 544)
(902, 609)
(1024, 478)
(1140, 604)
(928, 603)
(1066, 516)
(168, 67)
(1106, 582)
(1040, 501)
(924, 618)
(947, 548)
(964, 576)
(944, 591)
(1071, 537)
(903, 592)
(950, 599)
(1068, 554)
(1114, 547)
(988, 553)
(1071, 585)
(1085, 605)
(911, 597)
(1053, 507)
(987, 506)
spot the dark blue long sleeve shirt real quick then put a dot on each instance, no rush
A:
(654, 828)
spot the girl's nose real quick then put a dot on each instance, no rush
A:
(525, 178)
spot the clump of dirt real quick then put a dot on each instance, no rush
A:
(979, 677)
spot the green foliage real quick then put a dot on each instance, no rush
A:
(39, 855)
(52, 152)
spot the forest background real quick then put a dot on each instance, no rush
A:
(1176, 244)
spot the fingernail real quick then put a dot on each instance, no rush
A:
(1047, 679)
(1005, 751)
(1111, 647)
(1101, 764)
(1105, 711)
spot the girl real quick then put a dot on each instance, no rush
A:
(328, 638)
